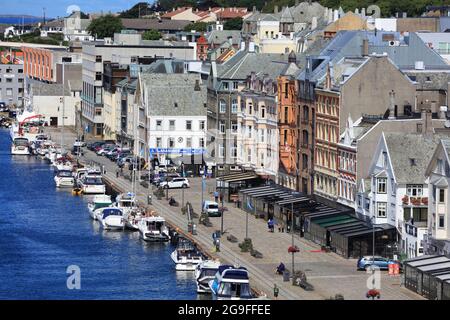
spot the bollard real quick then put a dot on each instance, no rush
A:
(149, 199)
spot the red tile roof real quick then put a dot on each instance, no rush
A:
(175, 12)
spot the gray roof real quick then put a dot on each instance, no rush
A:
(243, 63)
(446, 145)
(348, 44)
(48, 89)
(221, 36)
(405, 147)
(444, 24)
(177, 88)
(147, 24)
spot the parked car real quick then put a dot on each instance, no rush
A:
(105, 149)
(365, 262)
(92, 145)
(158, 178)
(175, 183)
(128, 159)
(79, 143)
(167, 168)
(211, 208)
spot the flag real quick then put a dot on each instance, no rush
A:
(249, 205)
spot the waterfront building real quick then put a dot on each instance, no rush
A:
(437, 238)
(123, 49)
(12, 84)
(172, 124)
(397, 190)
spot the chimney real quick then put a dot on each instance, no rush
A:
(197, 85)
(313, 23)
(363, 12)
(365, 47)
(275, 9)
(426, 121)
(392, 105)
(442, 112)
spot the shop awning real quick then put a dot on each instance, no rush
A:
(236, 177)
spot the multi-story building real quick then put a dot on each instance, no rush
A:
(12, 84)
(224, 84)
(343, 80)
(288, 121)
(256, 128)
(125, 48)
(437, 239)
(75, 28)
(172, 124)
(398, 193)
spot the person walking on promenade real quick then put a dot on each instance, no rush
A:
(216, 196)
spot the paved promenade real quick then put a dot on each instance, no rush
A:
(329, 273)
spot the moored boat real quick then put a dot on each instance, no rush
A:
(153, 229)
(110, 218)
(186, 256)
(99, 201)
(204, 273)
(64, 178)
(20, 146)
(231, 283)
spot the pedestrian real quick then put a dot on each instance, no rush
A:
(275, 291)
(117, 173)
(216, 196)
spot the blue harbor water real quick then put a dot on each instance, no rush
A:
(43, 231)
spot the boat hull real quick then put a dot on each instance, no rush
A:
(64, 182)
(20, 151)
(93, 189)
(112, 223)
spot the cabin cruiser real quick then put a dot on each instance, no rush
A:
(131, 212)
(64, 178)
(204, 273)
(99, 201)
(186, 256)
(153, 229)
(110, 218)
(92, 183)
(231, 283)
(20, 146)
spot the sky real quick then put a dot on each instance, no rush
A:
(58, 8)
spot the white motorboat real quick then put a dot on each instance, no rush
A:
(99, 201)
(64, 178)
(204, 273)
(92, 183)
(20, 146)
(231, 283)
(126, 202)
(186, 256)
(110, 218)
(153, 229)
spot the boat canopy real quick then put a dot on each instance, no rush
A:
(65, 173)
(112, 212)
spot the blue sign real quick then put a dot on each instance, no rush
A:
(177, 150)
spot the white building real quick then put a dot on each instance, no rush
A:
(175, 111)
(438, 178)
(396, 191)
(75, 28)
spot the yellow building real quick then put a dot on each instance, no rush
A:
(350, 21)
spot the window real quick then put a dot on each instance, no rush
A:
(234, 106)
(263, 112)
(221, 151)
(188, 125)
(175, 104)
(414, 190)
(8, 80)
(9, 92)
(201, 142)
(249, 155)
(233, 151)
(235, 85)
(222, 106)
(98, 58)
(20, 70)
(305, 113)
(202, 125)
(98, 112)
(249, 131)
(158, 124)
(381, 209)
(171, 125)
(222, 126)
(158, 142)
(171, 142)
(304, 161)
(441, 221)
(226, 86)
(441, 196)
(98, 76)
(188, 142)
(381, 185)
(234, 126)
(305, 138)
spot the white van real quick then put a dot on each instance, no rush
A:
(211, 208)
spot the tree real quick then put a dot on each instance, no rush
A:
(138, 10)
(197, 26)
(151, 35)
(105, 26)
(233, 24)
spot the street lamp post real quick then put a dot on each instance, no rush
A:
(221, 214)
(292, 232)
(182, 188)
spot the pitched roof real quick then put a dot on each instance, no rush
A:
(177, 88)
(173, 13)
(221, 36)
(156, 24)
(48, 89)
(410, 155)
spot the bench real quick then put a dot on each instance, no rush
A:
(232, 238)
(256, 254)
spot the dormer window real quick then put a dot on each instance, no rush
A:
(412, 162)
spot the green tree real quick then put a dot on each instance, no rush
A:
(138, 10)
(151, 35)
(233, 24)
(105, 26)
(197, 26)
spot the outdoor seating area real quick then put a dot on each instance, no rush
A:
(428, 276)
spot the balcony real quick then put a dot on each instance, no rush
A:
(414, 201)
(413, 228)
